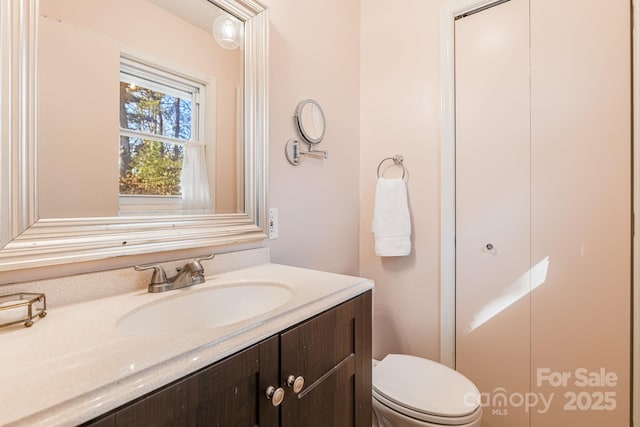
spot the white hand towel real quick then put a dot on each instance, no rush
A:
(391, 222)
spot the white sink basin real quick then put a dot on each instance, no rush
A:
(204, 309)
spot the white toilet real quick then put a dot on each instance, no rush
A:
(410, 391)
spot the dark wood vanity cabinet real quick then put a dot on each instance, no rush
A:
(223, 394)
(331, 351)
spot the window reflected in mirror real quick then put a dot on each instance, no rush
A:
(162, 158)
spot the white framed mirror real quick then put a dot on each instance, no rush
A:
(130, 136)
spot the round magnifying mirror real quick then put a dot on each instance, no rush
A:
(310, 120)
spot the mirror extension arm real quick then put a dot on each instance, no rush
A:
(293, 152)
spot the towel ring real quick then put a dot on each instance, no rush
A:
(398, 159)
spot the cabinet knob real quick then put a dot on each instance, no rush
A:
(275, 395)
(296, 383)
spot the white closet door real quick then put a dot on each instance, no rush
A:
(581, 212)
(492, 206)
(543, 170)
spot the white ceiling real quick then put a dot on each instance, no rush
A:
(200, 13)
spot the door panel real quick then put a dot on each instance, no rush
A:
(492, 206)
(580, 199)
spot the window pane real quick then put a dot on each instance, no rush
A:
(155, 111)
(149, 167)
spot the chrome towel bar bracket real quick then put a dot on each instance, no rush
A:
(398, 159)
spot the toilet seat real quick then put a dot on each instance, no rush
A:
(430, 419)
(426, 390)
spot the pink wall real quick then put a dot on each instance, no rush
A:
(400, 114)
(315, 54)
(77, 123)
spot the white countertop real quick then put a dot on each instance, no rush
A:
(73, 365)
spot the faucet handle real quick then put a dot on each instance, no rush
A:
(159, 280)
(197, 270)
(208, 257)
(195, 266)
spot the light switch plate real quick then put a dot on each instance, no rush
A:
(273, 223)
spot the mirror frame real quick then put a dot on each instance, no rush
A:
(27, 241)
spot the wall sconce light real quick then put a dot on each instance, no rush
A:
(227, 30)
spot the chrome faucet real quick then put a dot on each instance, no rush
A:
(192, 273)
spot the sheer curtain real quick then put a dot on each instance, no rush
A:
(194, 180)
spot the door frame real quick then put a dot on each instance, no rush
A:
(448, 12)
(635, 82)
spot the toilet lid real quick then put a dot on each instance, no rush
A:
(425, 386)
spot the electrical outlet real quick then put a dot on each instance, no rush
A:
(273, 223)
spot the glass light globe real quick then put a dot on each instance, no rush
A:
(227, 31)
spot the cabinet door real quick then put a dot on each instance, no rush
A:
(228, 393)
(333, 353)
